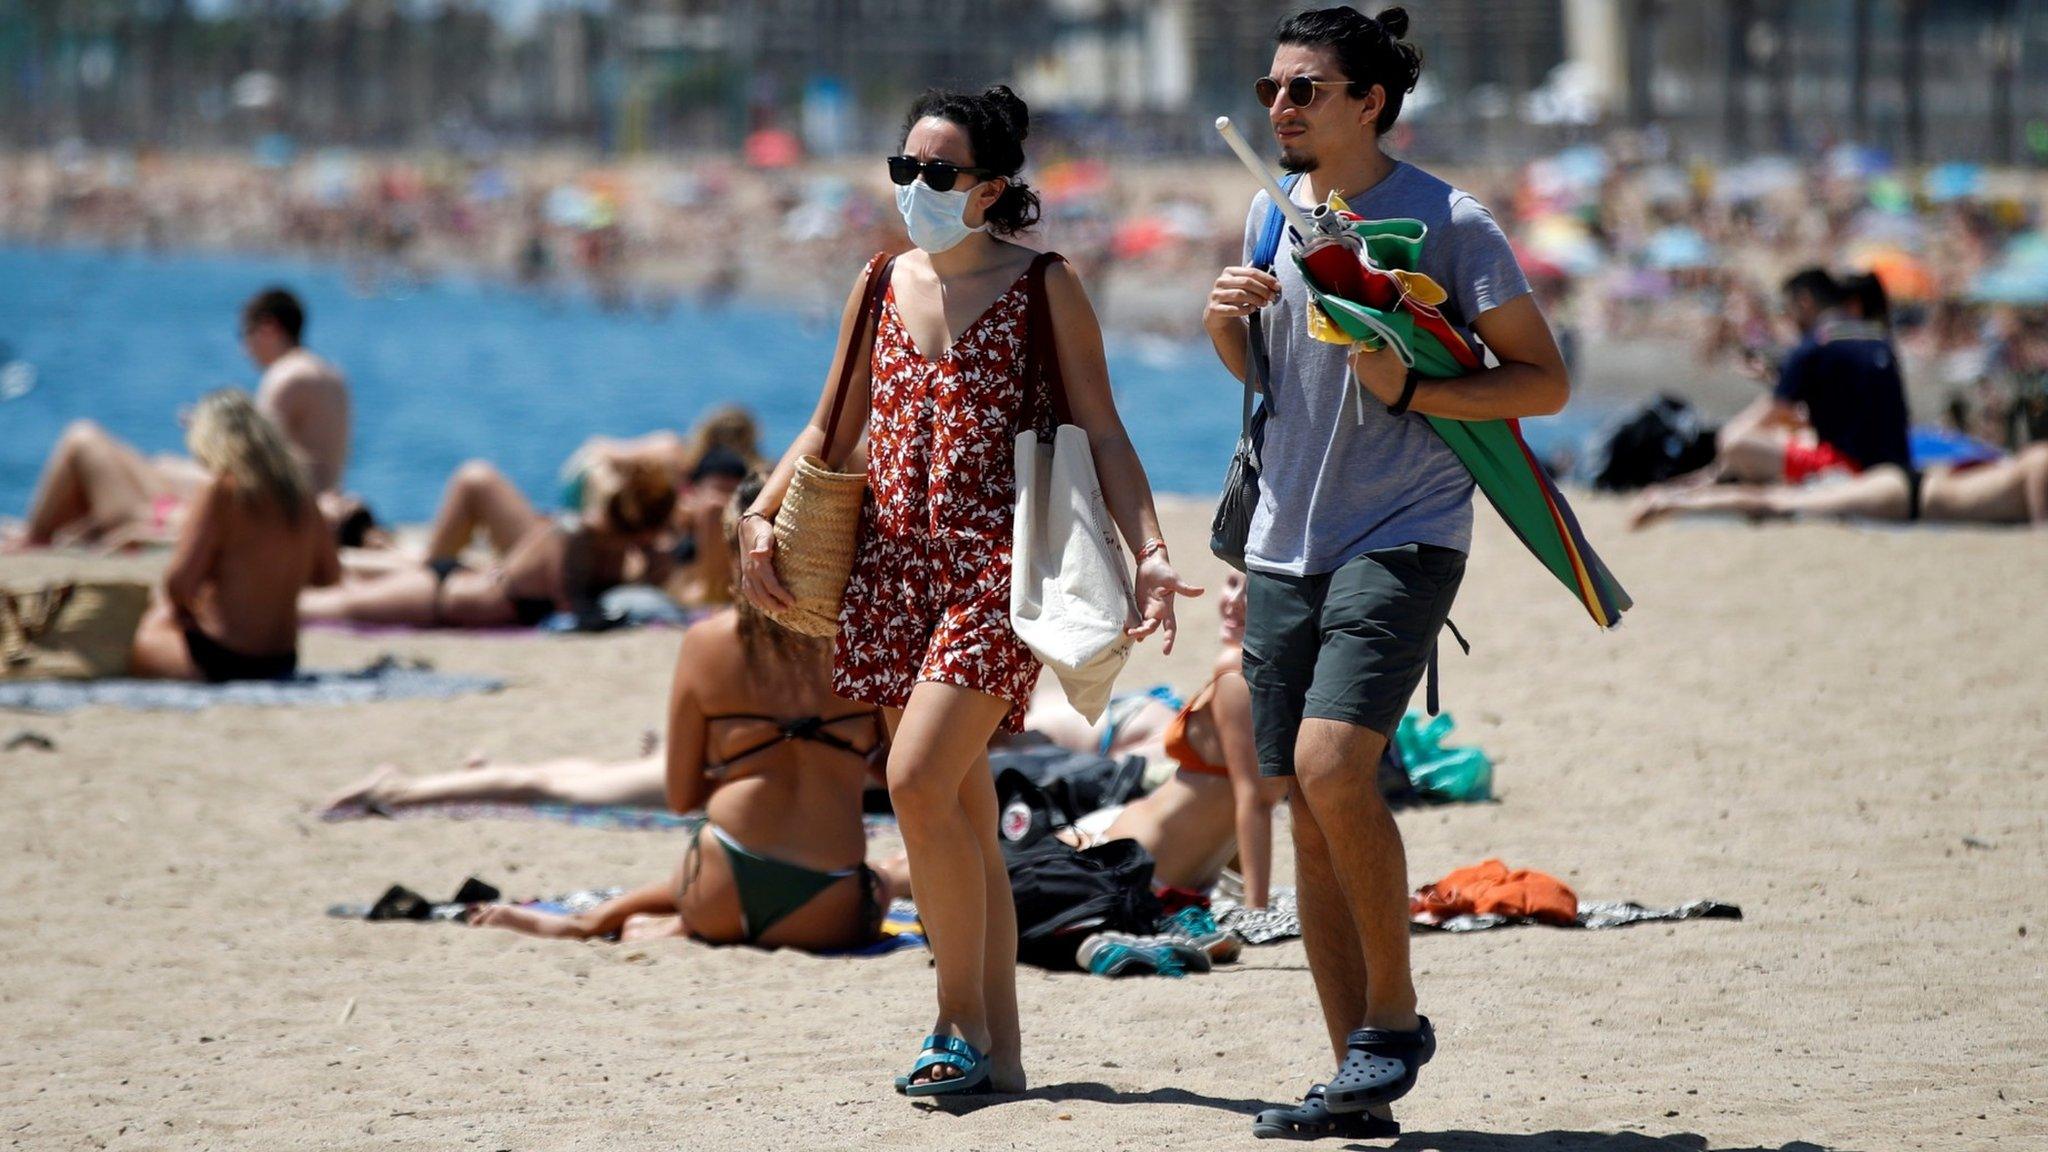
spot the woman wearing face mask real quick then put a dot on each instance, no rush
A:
(925, 631)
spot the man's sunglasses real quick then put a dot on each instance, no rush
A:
(939, 175)
(1301, 91)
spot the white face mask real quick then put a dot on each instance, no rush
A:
(936, 220)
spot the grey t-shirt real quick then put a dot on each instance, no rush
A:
(1333, 483)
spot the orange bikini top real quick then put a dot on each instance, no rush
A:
(1182, 750)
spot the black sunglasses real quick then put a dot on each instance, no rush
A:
(1301, 91)
(939, 175)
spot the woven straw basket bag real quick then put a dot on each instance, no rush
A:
(817, 526)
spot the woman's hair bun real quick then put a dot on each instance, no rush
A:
(1395, 21)
(1011, 108)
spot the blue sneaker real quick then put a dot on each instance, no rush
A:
(1121, 954)
(1197, 927)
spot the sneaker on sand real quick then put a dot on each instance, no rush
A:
(1121, 954)
(1198, 928)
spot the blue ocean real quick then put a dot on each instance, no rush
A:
(459, 368)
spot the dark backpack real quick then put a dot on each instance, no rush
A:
(1064, 895)
(1662, 439)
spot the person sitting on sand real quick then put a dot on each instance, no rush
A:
(2009, 491)
(227, 608)
(544, 566)
(1838, 403)
(778, 763)
(98, 490)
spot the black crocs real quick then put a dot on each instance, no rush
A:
(1379, 1067)
(1312, 1119)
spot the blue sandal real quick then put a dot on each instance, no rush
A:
(951, 1052)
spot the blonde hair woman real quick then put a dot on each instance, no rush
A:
(228, 605)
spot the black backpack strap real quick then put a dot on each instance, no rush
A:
(1430, 694)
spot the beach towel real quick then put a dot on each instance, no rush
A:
(605, 817)
(900, 926)
(386, 679)
(1281, 918)
(1395, 309)
(627, 606)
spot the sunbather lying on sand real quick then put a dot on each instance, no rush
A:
(544, 565)
(2010, 491)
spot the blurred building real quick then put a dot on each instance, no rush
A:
(1924, 80)
(1961, 79)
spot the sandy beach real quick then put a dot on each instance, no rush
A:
(1841, 730)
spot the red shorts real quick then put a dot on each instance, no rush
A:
(1804, 461)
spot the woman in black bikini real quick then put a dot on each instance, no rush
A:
(544, 565)
(228, 605)
(778, 763)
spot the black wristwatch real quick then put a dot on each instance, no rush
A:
(1400, 407)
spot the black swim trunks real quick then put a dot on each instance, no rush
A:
(220, 663)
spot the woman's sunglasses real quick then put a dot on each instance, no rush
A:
(1301, 91)
(939, 175)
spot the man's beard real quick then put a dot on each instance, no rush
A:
(1295, 163)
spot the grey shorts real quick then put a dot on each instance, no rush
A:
(1349, 645)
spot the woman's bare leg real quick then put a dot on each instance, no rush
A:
(630, 783)
(411, 597)
(1879, 494)
(648, 900)
(92, 482)
(479, 496)
(937, 743)
(2034, 463)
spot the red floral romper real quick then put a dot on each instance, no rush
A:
(929, 598)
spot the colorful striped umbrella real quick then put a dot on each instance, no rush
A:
(1396, 308)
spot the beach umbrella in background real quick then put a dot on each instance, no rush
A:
(490, 185)
(1392, 306)
(1564, 241)
(1757, 179)
(773, 148)
(1945, 183)
(1905, 277)
(1070, 180)
(2020, 277)
(1140, 237)
(1677, 247)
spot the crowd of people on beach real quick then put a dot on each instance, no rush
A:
(1353, 548)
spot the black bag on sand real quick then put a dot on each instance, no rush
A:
(1076, 783)
(1662, 439)
(1063, 896)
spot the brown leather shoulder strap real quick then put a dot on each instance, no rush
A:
(863, 326)
(1041, 349)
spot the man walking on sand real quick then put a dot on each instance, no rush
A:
(1358, 542)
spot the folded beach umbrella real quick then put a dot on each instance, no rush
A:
(1393, 306)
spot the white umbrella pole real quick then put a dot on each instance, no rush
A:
(1264, 175)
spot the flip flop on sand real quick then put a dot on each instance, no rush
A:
(949, 1052)
(1312, 1119)
(1380, 1066)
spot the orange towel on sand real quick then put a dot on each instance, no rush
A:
(1491, 889)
